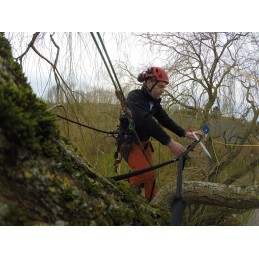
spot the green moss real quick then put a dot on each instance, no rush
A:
(12, 216)
(67, 194)
(100, 221)
(25, 122)
(8, 64)
(91, 186)
(122, 216)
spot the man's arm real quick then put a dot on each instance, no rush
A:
(164, 119)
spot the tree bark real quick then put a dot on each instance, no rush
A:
(196, 192)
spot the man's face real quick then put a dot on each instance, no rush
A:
(158, 90)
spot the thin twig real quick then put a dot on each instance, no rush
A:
(34, 37)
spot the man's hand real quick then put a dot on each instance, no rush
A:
(176, 147)
(190, 135)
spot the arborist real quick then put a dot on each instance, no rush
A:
(147, 115)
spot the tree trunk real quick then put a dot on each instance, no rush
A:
(211, 203)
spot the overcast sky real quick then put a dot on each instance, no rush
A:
(79, 59)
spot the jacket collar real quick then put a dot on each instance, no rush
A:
(148, 94)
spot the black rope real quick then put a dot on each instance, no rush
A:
(142, 171)
(86, 126)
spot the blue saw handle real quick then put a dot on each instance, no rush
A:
(205, 129)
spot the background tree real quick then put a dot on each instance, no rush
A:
(215, 72)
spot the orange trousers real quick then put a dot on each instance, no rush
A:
(137, 161)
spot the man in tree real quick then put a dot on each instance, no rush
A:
(144, 104)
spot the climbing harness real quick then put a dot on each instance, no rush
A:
(125, 133)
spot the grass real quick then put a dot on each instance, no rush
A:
(98, 148)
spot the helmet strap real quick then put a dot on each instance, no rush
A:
(154, 84)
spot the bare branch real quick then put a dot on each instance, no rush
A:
(35, 35)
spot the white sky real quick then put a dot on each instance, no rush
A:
(88, 68)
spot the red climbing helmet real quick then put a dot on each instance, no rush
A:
(156, 73)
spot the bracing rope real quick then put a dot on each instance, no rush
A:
(86, 126)
(234, 144)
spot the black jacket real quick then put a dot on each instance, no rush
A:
(144, 107)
